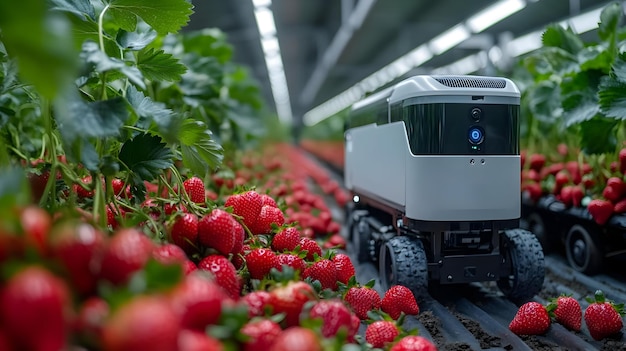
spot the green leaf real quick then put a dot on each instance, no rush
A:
(544, 101)
(612, 96)
(146, 156)
(609, 21)
(559, 37)
(598, 135)
(42, 43)
(149, 110)
(165, 16)
(595, 57)
(81, 8)
(580, 107)
(161, 277)
(92, 54)
(160, 66)
(200, 152)
(136, 40)
(208, 42)
(619, 68)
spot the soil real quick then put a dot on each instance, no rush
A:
(486, 340)
(538, 343)
(433, 326)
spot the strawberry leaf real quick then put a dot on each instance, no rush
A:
(92, 54)
(145, 156)
(81, 9)
(150, 111)
(609, 21)
(200, 152)
(165, 16)
(136, 40)
(612, 98)
(158, 65)
(595, 129)
(559, 37)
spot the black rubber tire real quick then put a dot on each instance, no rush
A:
(536, 225)
(402, 261)
(583, 250)
(361, 241)
(522, 249)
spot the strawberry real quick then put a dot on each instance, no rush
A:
(80, 248)
(35, 300)
(362, 300)
(620, 206)
(292, 261)
(289, 299)
(612, 194)
(380, 333)
(413, 343)
(537, 161)
(218, 230)
(113, 214)
(194, 187)
(269, 215)
(127, 252)
(531, 319)
(297, 338)
(224, 272)
(119, 188)
(622, 160)
(344, 267)
(311, 247)
(533, 190)
(256, 301)
(239, 238)
(191, 340)
(184, 232)
(566, 311)
(324, 271)
(577, 195)
(198, 301)
(567, 196)
(562, 149)
(561, 179)
(268, 200)
(82, 192)
(189, 267)
(260, 334)
(247, 205)
(334, 315)
(90, 320)
(169, 253)
(286, 240)
(260, 261)
(600, 210)
(143, 323)
(603, 317)
(399, 299)
(36, 224)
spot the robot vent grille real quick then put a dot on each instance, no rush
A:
(471, 82)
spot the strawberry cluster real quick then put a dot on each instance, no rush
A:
(247, 260)
(580, 181)
(602, 317)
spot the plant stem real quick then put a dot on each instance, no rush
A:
(101, 27)
(46, 115)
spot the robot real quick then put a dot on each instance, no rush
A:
(434, 169)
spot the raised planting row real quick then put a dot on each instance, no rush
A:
(249, 258)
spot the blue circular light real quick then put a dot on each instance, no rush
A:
(476, 135)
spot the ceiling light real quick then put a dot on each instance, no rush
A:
(261, 3)
(494, 14)
(524, 44)
(270, 45)
(265, 21)
(449, 39)
(585, 22)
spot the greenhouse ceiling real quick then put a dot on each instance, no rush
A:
(313, 58)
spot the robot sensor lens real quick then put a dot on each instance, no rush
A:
(476, 113)
(476, 135)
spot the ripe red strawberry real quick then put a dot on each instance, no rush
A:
(344, 266)
(561, 179)
(191, 340)
(577, 195)
(413, 343)
(324, 271)
(35, 300)
(603, 318)
(286, 240)
(269, 215)
(224, 272)
(380, 333)
(119, 188)
(566, 311)
(261, 334)
(113, 214)
(537, 161)
(399, 299)
(246, 205)
(291, 260)
(169, 253)
(184, 232)
(143, 323)
(90, 320)
(189, 267)
(566, 195)
(612, 194)
(290, 299)
(127, 252)
(311, 247)
(600, 210)
(80, 248)
(335, 315)
(218, 230)
(260, 261)
(620, 206)
(362, 300)
(194, 187)
(534, 190)
(531, 319)
(198, 301)
(268, 200)
(170, 208)
(256, 301)
(240, 237)
(36, 224)
(562, 149)
(82, 192)
(297, 338)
